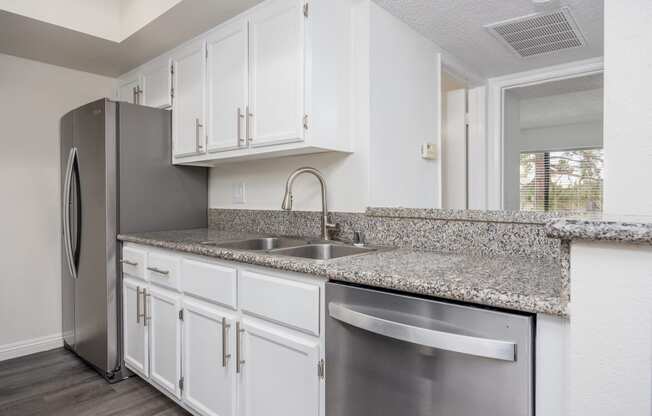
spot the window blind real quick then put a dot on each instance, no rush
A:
(567, 181)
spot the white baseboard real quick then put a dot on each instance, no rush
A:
(30, 346)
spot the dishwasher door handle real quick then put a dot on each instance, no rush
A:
(448, 341)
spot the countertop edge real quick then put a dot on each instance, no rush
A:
(622, 231)
(490, 297)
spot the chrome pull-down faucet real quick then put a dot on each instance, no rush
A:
(326, 224)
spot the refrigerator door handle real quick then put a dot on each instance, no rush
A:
(444, 340)
(66, 213)
(76, 251)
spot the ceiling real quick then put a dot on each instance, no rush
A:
(458, 27)
(47, 42)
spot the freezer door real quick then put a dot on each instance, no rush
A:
(153, 193)
(395, 355)
(95, 292)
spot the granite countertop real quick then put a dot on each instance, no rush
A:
(517, 283)
(618, 228)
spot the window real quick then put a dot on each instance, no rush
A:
(568, 180)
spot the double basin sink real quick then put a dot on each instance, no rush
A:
(295, 247)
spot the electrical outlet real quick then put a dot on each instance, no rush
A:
(238, 193)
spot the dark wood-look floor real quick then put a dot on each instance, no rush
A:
(56, 383)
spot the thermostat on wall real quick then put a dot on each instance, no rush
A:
(429, 151)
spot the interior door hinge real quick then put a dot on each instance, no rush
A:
(305, 121)
(181, 383)
(321, 369)
(467, 118)
(306, 9)
(181, 314)
(172, 92)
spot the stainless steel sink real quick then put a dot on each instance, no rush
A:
(323, 251)
(259, 244)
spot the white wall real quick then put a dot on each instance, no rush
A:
(511, 156)
(34, 97)
(628, 107)
(610, 329)
(405, 95)
(553, 138)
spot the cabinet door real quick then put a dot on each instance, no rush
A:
(188, 130)
(165, 339)
(129, 90)
(208, 368)
(279, 374)
(227, 86)
(135, 331)
(277, 73)
(157, 80)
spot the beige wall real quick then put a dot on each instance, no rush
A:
(34, 97)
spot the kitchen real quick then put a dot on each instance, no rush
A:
(289, 207)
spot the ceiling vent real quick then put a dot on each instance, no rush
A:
(539, 33)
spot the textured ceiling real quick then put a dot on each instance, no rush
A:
(458, 27)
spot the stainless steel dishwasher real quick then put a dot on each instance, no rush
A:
(389, 354)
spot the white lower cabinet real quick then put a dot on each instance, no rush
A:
(208, 360)
(279, 375)
(136, 349)
(226, 352)
(165, 339)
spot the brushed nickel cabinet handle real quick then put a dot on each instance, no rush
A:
(159, 271)
(137, 304)
(238, 342)
(248, 126)
(145, 317)
(225, 326)
(135, 95)
(241, 140)
(198, 125)
(129, 262)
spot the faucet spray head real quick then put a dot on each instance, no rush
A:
(287, 201)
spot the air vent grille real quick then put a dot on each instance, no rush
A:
(539, 33)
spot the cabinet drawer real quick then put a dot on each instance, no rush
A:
(163, 269)
(133, 262)
(288, 302)
(210, 281)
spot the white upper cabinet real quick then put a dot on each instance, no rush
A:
(188, 126)
(274, 81)
(129, 90)
(157, 84)
(277, 62)
(227, 86)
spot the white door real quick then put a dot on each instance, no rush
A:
(135, 331)
(157, 84)
(188, 126)
(226, 76)
(279, 374)
(129, 90)
(277, 73)
(208, 368)
(165, 339)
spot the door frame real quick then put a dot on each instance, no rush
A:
(497, 87)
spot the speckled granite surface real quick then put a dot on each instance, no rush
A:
(490, 238)
(518, 283)
(522, 217)
(625, 229)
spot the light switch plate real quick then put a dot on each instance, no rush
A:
(238, 195)
(429, 151)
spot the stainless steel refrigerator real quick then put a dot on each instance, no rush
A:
(116, 177)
